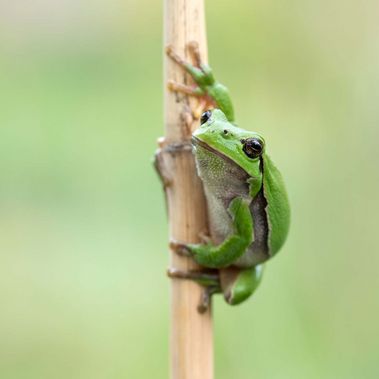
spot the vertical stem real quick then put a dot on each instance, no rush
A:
(191, 332)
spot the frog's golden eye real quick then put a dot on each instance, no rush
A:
(252, 147)
(205, 117)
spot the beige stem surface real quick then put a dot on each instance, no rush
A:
(191, 332)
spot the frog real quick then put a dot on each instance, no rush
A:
(247, 202)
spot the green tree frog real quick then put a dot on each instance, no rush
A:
(247, 202)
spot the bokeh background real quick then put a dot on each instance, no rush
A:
(83, 235)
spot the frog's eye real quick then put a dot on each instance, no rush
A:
(205, 117)
(252, 147)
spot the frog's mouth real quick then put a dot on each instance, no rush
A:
(198, 142)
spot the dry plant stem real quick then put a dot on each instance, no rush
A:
(191, 332)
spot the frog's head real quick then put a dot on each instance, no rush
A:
(220, 136)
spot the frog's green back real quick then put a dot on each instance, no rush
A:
(278, 211)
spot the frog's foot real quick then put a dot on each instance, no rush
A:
(209, 279)
(180, 248)
(175, 57)
(200, 73)
(206, 278)
(213, 93)
(206, 297)
(193, 48)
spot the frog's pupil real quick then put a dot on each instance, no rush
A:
(256, 145)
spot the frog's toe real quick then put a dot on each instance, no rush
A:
(193, 45)
(193, 48)
(180, 248)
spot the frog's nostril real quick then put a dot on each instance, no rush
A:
(226, 131)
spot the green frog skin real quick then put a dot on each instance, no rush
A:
(247, 202)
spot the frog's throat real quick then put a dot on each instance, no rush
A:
(197, 142)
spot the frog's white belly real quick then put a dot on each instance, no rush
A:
(223, 181)
(220, 221)
(221, 226)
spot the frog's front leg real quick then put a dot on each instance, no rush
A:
(213, 92)
(233, 247)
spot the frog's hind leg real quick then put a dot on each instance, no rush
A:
(210, 280)
(239, 284)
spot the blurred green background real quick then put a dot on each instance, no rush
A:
(83, 235)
